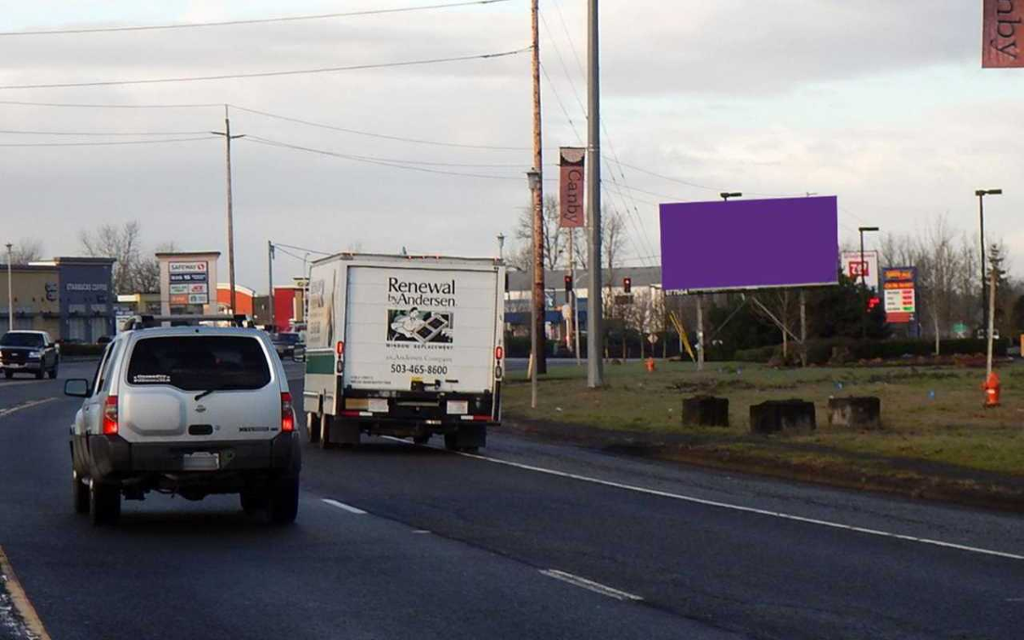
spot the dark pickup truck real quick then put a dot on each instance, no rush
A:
(28, 352)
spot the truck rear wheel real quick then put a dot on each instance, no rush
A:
(313, 428)
(325, 431)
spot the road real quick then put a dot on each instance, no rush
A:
(526, 540)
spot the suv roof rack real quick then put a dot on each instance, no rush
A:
(151, 321)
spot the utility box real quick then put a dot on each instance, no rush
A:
(706, 411)
(774, 416)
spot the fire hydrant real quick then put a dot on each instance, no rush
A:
(650, 365)
(991, 387)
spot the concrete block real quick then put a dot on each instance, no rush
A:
(774, 416)
(706, 411)
(857, 413)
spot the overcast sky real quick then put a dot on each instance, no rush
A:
(882, 103)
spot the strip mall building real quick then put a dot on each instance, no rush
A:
(71, 298)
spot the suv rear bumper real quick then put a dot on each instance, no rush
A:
(114, 459)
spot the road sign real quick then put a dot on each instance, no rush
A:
(652, 338)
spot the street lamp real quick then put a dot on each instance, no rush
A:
(863, 275)
(981, 193)
(533, 176)
(501, 246)
(730, 194)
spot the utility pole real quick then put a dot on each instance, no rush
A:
(538, 298)
(595, 310)
(10, 291)
(270, 279)
(231, 225)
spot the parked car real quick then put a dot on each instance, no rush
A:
(191, 411)
(29, 352)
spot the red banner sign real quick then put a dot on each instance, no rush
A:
(572, 213)
(1001, 33)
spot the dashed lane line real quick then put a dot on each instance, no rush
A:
(344, 507)
(6, 411)
(590, 585)
(737, 507)
(20, 600)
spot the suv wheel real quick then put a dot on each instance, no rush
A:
(253, 500)
(284, 500)
(40, 373)
(8, 374)
(104, 503)
(80, 492)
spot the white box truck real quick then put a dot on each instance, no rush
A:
(406, 346)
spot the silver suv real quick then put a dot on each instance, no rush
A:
(192, 411)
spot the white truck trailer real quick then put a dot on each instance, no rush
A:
(406, 346)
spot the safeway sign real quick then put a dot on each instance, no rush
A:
(1001, 32)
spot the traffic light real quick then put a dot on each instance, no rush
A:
(627, 285)
(568, 284)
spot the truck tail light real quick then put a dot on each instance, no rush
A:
(499, 352)
(110, 416)
(339, 348)
(287, 415)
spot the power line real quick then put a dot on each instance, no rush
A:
(101, 144)
(267, 74)
(291, 246)
(376, 135)
(101, 133)
(219, 105)
(405, 161)
(231, 23)
(275, 143)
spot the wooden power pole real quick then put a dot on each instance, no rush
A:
(538, 297)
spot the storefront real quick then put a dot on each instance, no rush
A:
(86, 298)
(71, 298)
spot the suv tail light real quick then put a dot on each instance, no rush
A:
(110, 416)
(287, 416)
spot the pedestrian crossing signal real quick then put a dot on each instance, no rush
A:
(627, 285)
(568, 284)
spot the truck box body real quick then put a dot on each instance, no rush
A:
(405, 344)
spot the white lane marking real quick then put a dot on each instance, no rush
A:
(345, 507)
(590, 585)
(1015, 599)
(736, 507)
(421, 531)
(25, 405)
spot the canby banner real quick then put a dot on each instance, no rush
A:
(571, 211)
(1001, 32)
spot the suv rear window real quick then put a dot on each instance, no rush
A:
(199, 363)
(14, 339)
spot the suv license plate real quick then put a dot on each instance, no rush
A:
(200, 461)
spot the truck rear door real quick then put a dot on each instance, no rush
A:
(430, 327)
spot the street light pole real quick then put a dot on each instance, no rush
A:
(595, 310)
(270, 273)
(10, 291)
(981, 193)
(863, 277)
(231, 226)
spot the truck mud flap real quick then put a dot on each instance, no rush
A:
(471, 436)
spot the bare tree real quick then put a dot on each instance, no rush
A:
(555, 239)
(26, 250)
(122, 243)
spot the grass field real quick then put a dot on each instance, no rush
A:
(931, 414)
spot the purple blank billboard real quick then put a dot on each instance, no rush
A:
(741, 244)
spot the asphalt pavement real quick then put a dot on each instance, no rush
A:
(525, 540)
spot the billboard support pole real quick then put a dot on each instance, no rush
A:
(803, 328)
(700, 332)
